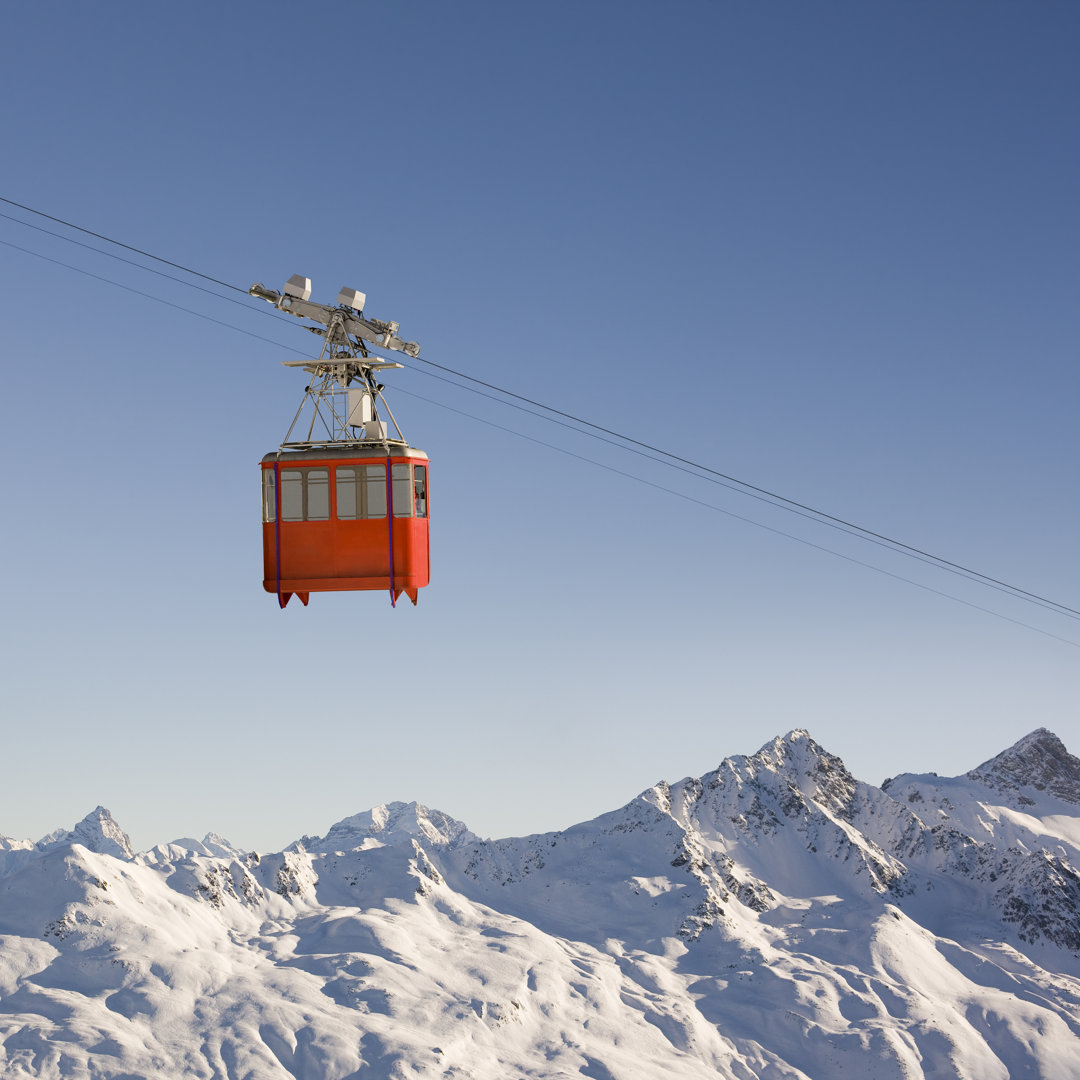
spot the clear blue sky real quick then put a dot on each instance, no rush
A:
(830, 249)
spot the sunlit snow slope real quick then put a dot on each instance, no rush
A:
(774, 918)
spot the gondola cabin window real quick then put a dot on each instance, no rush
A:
(269, 495)
(420, 489)
(305, 494)
(361, 491)
(403, 491)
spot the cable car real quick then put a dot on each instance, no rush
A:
(344, 504)
(350, 518)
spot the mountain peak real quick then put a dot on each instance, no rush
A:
(797, 746)
(1038, 761)
(212, 844)
(817, 773)
(389, 822)
(98, 832)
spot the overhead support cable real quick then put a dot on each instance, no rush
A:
(804, 510)
(792, 508)
(120, 243)
(747, 520)
(150, 296)
(130, 262)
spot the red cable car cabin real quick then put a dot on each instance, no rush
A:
(334, 532)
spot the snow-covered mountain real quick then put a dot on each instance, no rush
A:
(772, 918)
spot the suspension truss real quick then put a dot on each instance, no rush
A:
(343, 403)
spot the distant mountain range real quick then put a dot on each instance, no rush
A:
(774, 918)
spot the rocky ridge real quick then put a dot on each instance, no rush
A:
(1039, 762)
